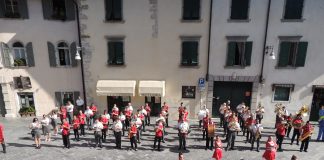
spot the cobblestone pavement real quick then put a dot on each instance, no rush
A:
(20, 146)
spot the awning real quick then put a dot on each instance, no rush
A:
(152, 88)
(116, 88)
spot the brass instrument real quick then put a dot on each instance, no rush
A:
(303, 111)
(211, 130)
(279, 109)
(307, 134)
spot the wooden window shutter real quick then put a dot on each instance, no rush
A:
(26, 83)
(239, 9)
(186, 51)
(6, 55)
(51, 54)
(119, 52)
(187, 5)
(18, 82)
(248, 53)
(58, 99)
(284, 54)
(73, 51)
(30, 54)
(2, 8)
(109, 9)
(301, 54)
(47, 9)
(23, 9)
(69, 10)
(230, 53)
(117, 7)
(111, 53)
(195, 12)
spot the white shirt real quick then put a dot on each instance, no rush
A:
(79, 102)
(45, 121)
(107, 116)
(117, 126)
(240, 108)
(69, 108)
(54, 116)
(88, 112)
(130, 108)
(201, 114)
(256, 126)
(98, 126)
(35, 125)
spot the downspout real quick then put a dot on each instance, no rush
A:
(261, 80)
(209, 37)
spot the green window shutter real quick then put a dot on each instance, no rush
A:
(248, 53)
(186, 51)
(30, 55)
(194, 53)
(109, 9)
(47, 9)
(284, 54)
(23, 9)
(58, 99)
(6, 55)
(70, 10)
(239, 9)
(230, 53)
(111, 53)
(73, 51)
(187, 5)
(293, 9)
(2, 8)
(51, 54)
(119, 52)
(117, 9)
(301, 54)
(195, 10)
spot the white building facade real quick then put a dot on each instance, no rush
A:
(239, 49)
(38, 45)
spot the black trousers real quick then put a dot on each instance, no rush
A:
(139, 134)
(76, 134)
(200, 122)
(148, 120)
(127, 123)
(209, 142)
(3, 147)
(133, 142)
(124, 127)
(182, 141)
(280, 140)
(257, 140)
(205, 133)
(98, 138)
(221, 124)
(104, 134)
(118, 139)
(259, 118)
(288, 131)
(143, 125)
(70, 117)
(157, 139)
(225, 127)
(304, 144)
(66, 140)
(248, 135)
(231, 139)
(82, 129)
(167, 121)
(295, 133)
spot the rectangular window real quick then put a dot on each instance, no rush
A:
(293, 9)
(113, 10)
(191, 10)
(59, 10)
(189, 53)
(26, 99)
(11, 9)
(240, 9)
(282, 92)
(292, 54)
(116, 52)
(239, 53)
(188, 91)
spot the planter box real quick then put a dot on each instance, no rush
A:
(27, 114)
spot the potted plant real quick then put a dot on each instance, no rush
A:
(25, 111)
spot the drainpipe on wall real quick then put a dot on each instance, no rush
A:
(209, 37)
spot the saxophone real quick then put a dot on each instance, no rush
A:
(307, 134)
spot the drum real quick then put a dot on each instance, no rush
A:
(211, 130)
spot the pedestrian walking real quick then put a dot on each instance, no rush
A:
(117, 128)
(35, 127)
(97, 126)
(53, 117)
(45, 128)
(2, 140)
(270, 151)
(320, 135)
(70, 108)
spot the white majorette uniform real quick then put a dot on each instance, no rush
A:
(256, 135)
(183, 128)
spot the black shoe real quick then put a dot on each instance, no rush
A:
(163, 141)
(300, 150)
(206, 149)
(258, 150)
(297, 144)
(179, 148)
(251, 149)
(305, 150)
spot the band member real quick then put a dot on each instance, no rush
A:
(89, 114)
(227, 115)
(222, 110)
(233, 127)
(185, 113)
(128, 115)
(180, 109)
(94, 111)
(306, 133)
(202, 114)
(132, 135)
(35, 127)
(138, 121)
(97, 126)
(297, 124)
(165, 108)
(321, 125)
(158, 135)
(148, 114)
(66, 134)
(270, 151)
(280, 133)
(62, 113)
(114, 112)
(289, 124)
(45, 128)
(106, 114)
(259, 113)
(142, 115)
(183, 130)
(105, 123)
(117, 128)
(210, 134)
(161, 119)
(122, 118)
(69, 108)
(256, 135)
(246, 115)
(76, 126)
(82, 118)
(218, 153)
(239, 109)
(248, 123)
(53, 117)
(2, 141)
(205, 126)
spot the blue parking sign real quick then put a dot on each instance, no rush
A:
(201, 82)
